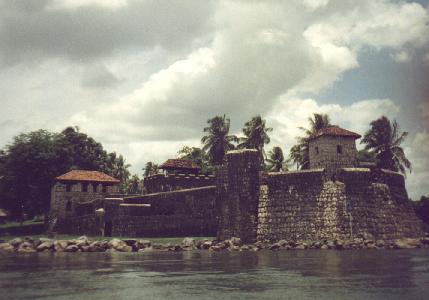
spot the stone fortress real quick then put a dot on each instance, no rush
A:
(333, 199)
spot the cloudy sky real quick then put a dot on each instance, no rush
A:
(143, 77)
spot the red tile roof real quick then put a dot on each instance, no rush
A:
(82, 175)
(334, 130)
(179, 164)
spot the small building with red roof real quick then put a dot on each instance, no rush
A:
(79, 186)
(182, 166)
(333, 148)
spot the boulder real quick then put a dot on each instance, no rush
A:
(275, 246)
(245, 248)
(130, 242)
(16, 242)
(425, 240)
(48, 245)
(117, 244)
(71, 248)
(206, 245)
(6, 247)
(402, 244)
(235, 241)
(95, 248)
(177, 248)
(282, 243)
(188, 242)
(215, 248)
(144, 244)
(301, 246)
(380, 244)
(324, 247)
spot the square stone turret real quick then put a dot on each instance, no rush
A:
(333, 148)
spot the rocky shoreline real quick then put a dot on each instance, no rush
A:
(84, 244)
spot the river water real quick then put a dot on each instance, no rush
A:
(311, 274)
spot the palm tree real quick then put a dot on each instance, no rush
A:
(275, 160)
(150, 169)
(217, 141)
(256, 136)
(299, 153)
(134, 185)
(384, 139)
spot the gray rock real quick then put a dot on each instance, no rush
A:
(6, 247)
(16, 242)
(130, 242)
(48, 245)
(215, 248)
(71, 248)
(188, 242)
(144, 243)
(206, 245)
(425, 240)
(235, 241)
(275, 246)
(245, 248)
(282, 243)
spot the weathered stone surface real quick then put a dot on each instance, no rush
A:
(238, 193)
(71, 248)
(188, 242)
(48, 245)
(16, 242)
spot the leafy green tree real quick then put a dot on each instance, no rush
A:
(366, 156)
(299, 153)
(217, 141)
(255, 136)
(384, 139)
(120, 170)
(30, 165)
(79, 151)
(275, 160)
(197, 155)
(134, 185)
(150, 169)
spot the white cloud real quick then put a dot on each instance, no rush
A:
(401, 56)
(426, 59)
(179, 63)
(417, 151)
(291, 113)
(74, 4)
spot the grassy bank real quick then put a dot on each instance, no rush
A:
(157, 240)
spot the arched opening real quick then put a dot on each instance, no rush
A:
(317, 150)
(339, 149)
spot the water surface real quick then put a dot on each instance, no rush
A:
(361, 274)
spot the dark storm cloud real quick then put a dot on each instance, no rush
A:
(33, 29)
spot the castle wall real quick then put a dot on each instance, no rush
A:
(177, 213)
(64, 203)
(327, 157)
(171, 182)
(238, 195)
(306, 206)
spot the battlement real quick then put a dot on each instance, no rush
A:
(171, 182)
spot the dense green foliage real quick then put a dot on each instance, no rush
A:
(199, 156)
(255, 136)
(299, 153)
(384, 139)
(275, 160)
(217, 140)
(29, 165)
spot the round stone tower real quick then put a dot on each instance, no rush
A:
(333, 148)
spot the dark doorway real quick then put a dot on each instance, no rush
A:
(108, 228)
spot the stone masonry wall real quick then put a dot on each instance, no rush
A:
(308, 206)
(171, 182)
(238, 195)
(326, 156)
(177, 213)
